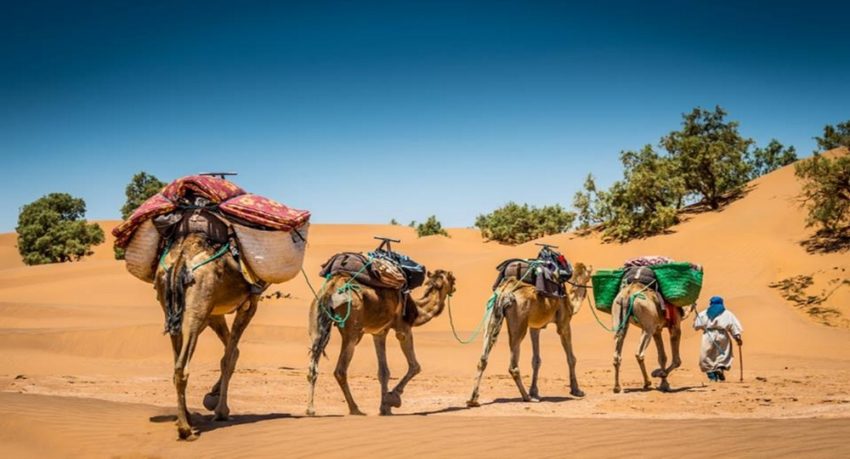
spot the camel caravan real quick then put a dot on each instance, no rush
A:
(211, 249)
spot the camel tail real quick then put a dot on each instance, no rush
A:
(179, 276)
(320, 324)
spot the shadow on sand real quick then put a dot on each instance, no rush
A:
(202, 423)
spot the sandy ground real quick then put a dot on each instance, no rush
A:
(85, 369)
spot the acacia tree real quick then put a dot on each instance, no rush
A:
(826, 192)
(710, 154)
(53, 229)
(646, 201)
(770, 158)
(141, 187)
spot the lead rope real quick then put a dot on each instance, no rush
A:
(221, 251)
(532, 265)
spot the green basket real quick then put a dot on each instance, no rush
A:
(680, 283)
(606, 285)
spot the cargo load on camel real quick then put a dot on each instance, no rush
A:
(548, 272)
(381, 268)
(677, 283)
(268, 238)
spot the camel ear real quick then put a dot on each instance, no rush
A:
(428, 273)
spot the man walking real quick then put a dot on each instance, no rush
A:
(717, 324)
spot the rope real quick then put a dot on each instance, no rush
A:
(221, 251)
(532, 265)
(628, 315)
(351, 285)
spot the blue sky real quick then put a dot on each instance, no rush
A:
(366, 111)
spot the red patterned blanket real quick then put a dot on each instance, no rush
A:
(231, 200)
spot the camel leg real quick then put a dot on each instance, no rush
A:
(494, 326)
(567, 342)
(321, 332)
(405, 338)
(176, 346)
(350, 338)
(219, 326)
(515, 338)
(231, 354)
(640, 354)
(380, 341)
(619, 339)
(533, 391)
(662, 361)
(675, 339)
(191, 330)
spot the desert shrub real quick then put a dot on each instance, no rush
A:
(141, 187)
(52, 229)
(394, 222)
(515, 224)
(826, 192)
(431, 227)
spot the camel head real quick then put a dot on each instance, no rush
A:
(581, 273)
(581, 278)
(441, 281)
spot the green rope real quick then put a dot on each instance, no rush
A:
(628, 315)
(477, 331)
(216, 255)
(347, 287)
(532, 265)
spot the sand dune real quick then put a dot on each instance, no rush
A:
(85, 366)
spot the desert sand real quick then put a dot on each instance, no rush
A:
(86, 371)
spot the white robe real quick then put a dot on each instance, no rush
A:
(716, 348)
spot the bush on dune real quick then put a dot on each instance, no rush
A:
(515, 224)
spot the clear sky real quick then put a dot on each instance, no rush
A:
(366, 111)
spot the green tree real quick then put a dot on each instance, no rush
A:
(590, 204)
(834, 136)
(770, 158)
(515, 224)
(431, 227)
(52, 229)
(646, 201)
(141, 187)
(394, 222)
(711, 155)
(826, 192)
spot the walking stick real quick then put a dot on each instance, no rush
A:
(741, 359)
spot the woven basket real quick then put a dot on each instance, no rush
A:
(273, 256)
(606, 285)
(680, 283)
(140, 255)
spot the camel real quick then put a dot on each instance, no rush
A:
(526, 310)
(197, 289)
(374, 311)
(648, 312)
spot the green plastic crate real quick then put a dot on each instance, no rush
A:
(680, 283)
(606, 285)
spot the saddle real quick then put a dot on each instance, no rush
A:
(551, 271)
(380, 273)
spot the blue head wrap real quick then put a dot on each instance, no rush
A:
(715, 307)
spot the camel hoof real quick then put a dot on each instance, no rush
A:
(577, 392)
(664, 387)
(659, 373)
(186, 434)
(472, 404)
(647, 386)
(310, 412)
(393, 399)
(357, 412)
(386, 411)
(211, 401)
(617, 389)
(534, 394)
